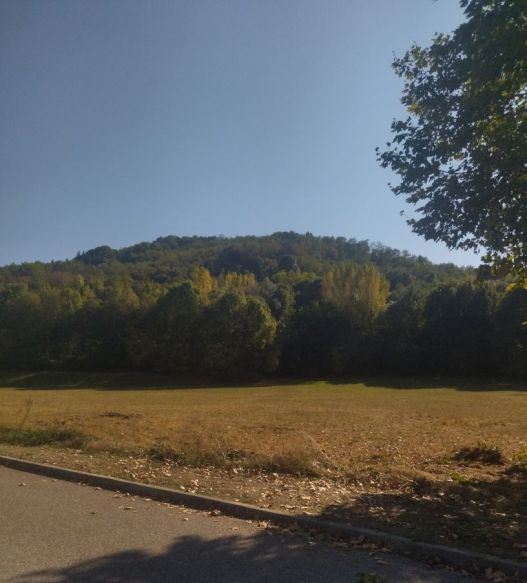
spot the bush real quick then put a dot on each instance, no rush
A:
(482, 453)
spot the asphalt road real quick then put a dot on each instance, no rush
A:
(57, 532)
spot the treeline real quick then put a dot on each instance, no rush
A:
(287, 303)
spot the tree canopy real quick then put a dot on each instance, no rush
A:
(461, 154)
(250, 306)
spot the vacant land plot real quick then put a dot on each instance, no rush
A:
(381, 452)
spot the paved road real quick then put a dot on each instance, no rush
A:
(57, 532)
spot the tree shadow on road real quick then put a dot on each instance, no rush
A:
(258, 559)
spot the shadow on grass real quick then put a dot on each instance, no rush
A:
(486, 516)
(483, 384)
(115, 381)
(227, 559)
(36, 380)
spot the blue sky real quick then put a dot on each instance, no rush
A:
(125, 120)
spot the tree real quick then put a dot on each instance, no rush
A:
(173, 325)
(511, 333)
(358, 290)
(204, 283)
(236, 337)
(97, 256)
(397, 340)
(461, 155)
(288, 263)
(318, 341)
(457, 336)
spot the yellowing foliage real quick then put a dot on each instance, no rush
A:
(238, 282)
(204, 283)
(358, 289)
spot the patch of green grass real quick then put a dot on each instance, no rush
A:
(457, 477)
(520, 458)
(49, 436)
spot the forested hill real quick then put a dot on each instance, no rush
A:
(286, 303)
(170, 259)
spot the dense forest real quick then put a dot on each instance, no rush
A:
(287, 303)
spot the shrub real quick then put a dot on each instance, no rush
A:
(482, 453)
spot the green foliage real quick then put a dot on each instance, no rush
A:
(237, 336)
(172, 329)
(511, 332)
(520, 458)
(312, 305)
(398, 333)
(320, 341)
(458, 330)
(461, 152)
(458, 478)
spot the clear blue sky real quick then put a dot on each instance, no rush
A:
(125, 120)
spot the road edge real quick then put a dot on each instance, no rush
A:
(459, 558)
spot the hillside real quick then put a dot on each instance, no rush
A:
(169, 259)
(246, 306)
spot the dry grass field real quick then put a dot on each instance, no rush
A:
(324, 425)
(377, 451)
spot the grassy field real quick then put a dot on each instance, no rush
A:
(325, 425)
(377, 451)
